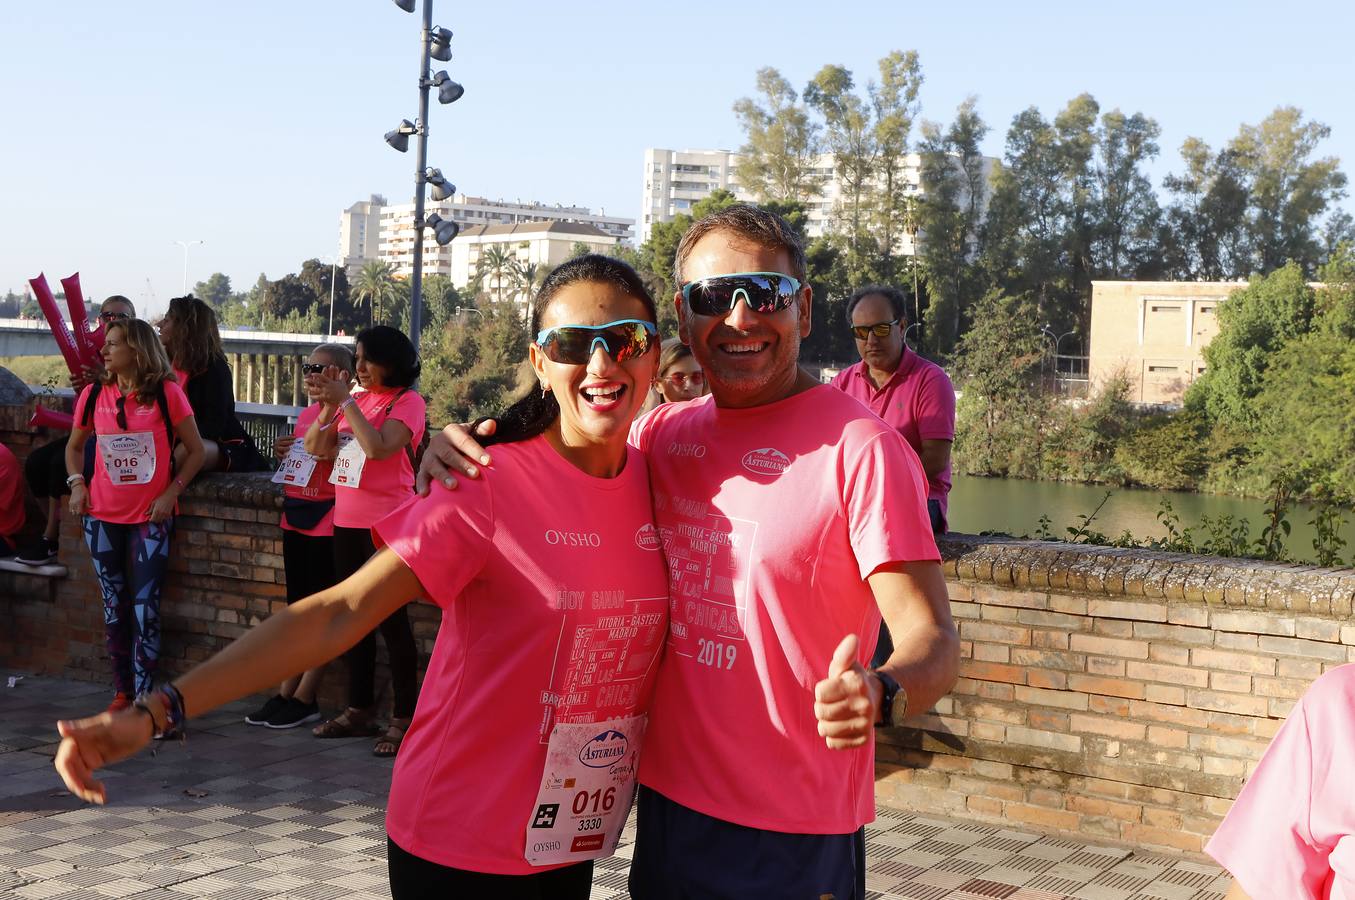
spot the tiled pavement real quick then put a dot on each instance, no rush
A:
(241, 813)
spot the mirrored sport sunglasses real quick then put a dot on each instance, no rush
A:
(623, 340)
(879, 329)
(763, 292)
(111, 317)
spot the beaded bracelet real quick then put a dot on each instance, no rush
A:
(174, 708)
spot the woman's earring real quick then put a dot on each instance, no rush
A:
(544, 389)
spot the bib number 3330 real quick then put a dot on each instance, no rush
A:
(586, 791)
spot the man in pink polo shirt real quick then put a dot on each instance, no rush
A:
(912, 394)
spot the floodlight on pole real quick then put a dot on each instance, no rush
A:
(442, 188)
(448, 91)
(406, 5)
(444, 230)
(440, 44)
(399, 138)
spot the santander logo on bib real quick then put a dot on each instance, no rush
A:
(647, 537)
(766, 461)
(605, 749)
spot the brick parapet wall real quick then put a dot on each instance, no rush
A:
(226, 575)
(1118, 693)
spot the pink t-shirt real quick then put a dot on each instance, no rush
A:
(385, 483)
(12, 514)
(318, 487)
(918, 400)
(1291, 832)
(772, 518)
(554, 600)
(125, 502)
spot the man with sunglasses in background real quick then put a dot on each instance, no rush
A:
(913, 395)
(45, 467)
(791, 518)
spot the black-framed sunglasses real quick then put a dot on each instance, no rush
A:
(623, 339)
(312, 368)
(122, 411)
(763, 292)
(879, 329)
(115, 316)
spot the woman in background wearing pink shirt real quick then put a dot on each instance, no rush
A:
(371, 437)
(136, 413)
(519, 767)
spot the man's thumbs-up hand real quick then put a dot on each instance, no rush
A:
(845, 702)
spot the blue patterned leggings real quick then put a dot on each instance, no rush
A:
(130, 562)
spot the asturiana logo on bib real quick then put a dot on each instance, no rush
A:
(647, 537)
(123, 443)
(605, 749)
(767, 461)
(573, 538)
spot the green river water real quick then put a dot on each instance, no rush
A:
(1015, 505)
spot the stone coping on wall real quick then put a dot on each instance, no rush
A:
(1134, 572)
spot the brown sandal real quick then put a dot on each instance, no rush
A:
(349, 723)
(393, 737)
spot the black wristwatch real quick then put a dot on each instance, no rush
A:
(893, 702)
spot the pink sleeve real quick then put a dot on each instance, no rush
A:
(840, 379)
(179, 408)
(885, 495)
(642, 428)
(1265, 841)
(80, 403)
(935, 411)
(443, 537)
(411, 410)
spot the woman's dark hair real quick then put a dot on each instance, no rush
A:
(194, 341)
(534, 412)
(389, 348)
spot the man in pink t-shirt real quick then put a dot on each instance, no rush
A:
(1291, 832)
(792, 519)
(912, 394)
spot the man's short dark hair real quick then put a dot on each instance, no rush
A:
(898, 302)
(760, 226)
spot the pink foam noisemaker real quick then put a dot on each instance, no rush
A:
(85, 341)
(65, 341)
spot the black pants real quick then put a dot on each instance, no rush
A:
(413, 878)
(309, 564)
(352, 548)
(885, 647)
(45, 468)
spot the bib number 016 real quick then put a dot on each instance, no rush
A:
(596, 801)
(716, 653)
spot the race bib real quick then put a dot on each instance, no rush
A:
(128, 458)
(586, 790)
(297, 467)
(348, 464)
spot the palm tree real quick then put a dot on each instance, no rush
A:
(497, 263)
(527, 277)
(376, 286)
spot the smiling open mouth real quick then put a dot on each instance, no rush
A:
(603, 395)
(744, 347)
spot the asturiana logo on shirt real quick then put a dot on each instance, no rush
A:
(573, 538)
(696, 451)
(647, 537)
(766, 461)
(605, 749)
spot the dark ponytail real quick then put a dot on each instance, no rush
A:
(536, 410)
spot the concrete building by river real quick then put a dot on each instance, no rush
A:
(1154, 332)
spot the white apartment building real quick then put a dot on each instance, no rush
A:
(675, 180)
(360, 233)
(397, 226)
(545, 244)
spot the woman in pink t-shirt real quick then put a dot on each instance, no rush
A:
(307, 533)
(136, 413)
(519, 766)
(371, 436)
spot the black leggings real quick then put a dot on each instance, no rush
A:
(352, 548)
(414, 878)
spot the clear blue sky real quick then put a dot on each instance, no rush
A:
(251, 124)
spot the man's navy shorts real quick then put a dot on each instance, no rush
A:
(681, 854)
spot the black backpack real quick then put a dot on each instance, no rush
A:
(160, 400)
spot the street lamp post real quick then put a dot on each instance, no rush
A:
(910, 226)
(434, 43)
(333, 274)
(185, 245)
(917, 325)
